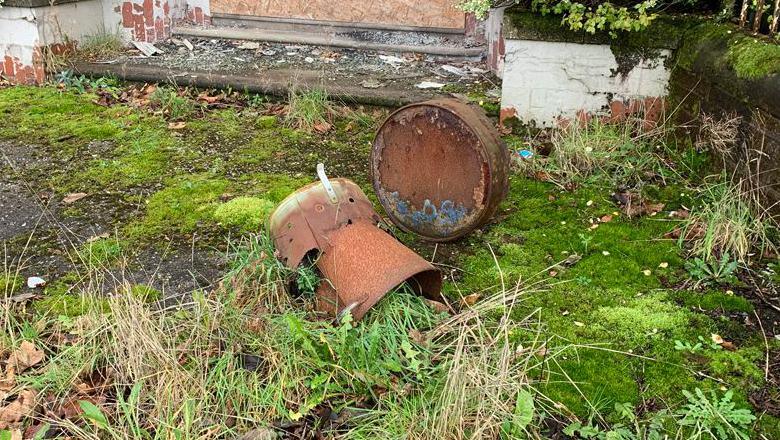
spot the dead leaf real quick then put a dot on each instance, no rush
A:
(553, 273)
(579, 324)
(177, 125)
(95, 238)
(16, 434)
(417, 337)
(663, 265)
(471, 299)
(24, 357)
(73, 197)
(322, 127)
(437, 306)
(18, 410)
(716, 338)
(605, 218)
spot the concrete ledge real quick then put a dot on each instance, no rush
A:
(273, 83)
(36, 3)
(312, 39)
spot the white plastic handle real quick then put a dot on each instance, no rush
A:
(326, 183)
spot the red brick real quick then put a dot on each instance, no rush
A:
(8, 68)
(149, 12)
(139, 28)
(166, 9)
(198, 15)
(159, 29)
(127, 14)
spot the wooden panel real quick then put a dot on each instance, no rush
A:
(425, 13)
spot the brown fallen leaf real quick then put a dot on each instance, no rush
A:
(18, 410)
(471, 299)
(322, 127)
(438, 306)
(24, 357)
(417, 336)
(605, 218)
(95, 238)
(177, 125)
(73, 198)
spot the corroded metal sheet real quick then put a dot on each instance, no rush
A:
(363, 263)
(439, 168)
(359, 261)
(431, 13)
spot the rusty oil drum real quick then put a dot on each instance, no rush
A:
(439, 168)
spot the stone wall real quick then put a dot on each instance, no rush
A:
(552, 75)
(31, 28)
(28, 31)
(710, 79)
(546, 82)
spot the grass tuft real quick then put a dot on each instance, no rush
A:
(308, 109)
(103, 46)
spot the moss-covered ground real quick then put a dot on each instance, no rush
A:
(611, 284)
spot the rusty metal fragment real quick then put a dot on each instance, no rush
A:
(359, 262)
(439, 168)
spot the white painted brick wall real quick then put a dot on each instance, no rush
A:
(546, 81)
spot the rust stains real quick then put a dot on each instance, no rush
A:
(359, 261)
(439, 168)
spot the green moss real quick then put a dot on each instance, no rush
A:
(144, 155)
(245, 213)
(752, 58)
(605, 300)
(145, 293)
(738, 367)
(714, 300)
(71, 305)
(642, 321)
(663, 32)
(184, 204)
(100, 253)
(273, 187)
(725, 45)
(50, 116)
(10, 284)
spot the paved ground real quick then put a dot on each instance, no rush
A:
(360, 75)
(38, 238)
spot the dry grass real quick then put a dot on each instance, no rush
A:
(718, 135)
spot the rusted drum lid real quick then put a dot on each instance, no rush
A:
(439, 168)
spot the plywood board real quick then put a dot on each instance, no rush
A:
(424, 13)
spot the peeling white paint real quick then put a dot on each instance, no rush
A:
(545, 81)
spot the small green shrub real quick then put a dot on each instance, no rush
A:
(145, 293)
(308, 109)
(729, 221)
(172, 103)
(100, 46)
(10, 284)
(246, 213)
(714, 273)
(100, 253)
(714, 418)
(620, 152)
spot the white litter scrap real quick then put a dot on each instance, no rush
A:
(391, 60)
(148, 49)
(249, 45)
(34, 282)
(430, 85)
(454, 70)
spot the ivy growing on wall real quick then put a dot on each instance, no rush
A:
(589, 15)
